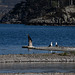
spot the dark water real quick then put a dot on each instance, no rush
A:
(14, 36)
(37, 68)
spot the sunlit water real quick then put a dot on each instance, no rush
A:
(14, 36)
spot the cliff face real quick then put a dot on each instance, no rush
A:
(64, 16)
(40, 12)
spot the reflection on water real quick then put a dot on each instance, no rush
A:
(37, 67)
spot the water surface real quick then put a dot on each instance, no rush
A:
(14, 36)
(37, 68)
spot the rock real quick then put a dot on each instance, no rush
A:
(36, 58)
(31, 12)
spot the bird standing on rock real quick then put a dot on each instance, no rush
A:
(56, 44)
(50, 45)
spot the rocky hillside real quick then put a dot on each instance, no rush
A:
(10, 2)
(40, 12)
(7, 5)
(64, 16)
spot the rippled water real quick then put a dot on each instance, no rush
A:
(37, 68)
(14, 36)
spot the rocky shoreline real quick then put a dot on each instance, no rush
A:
(36, 58)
